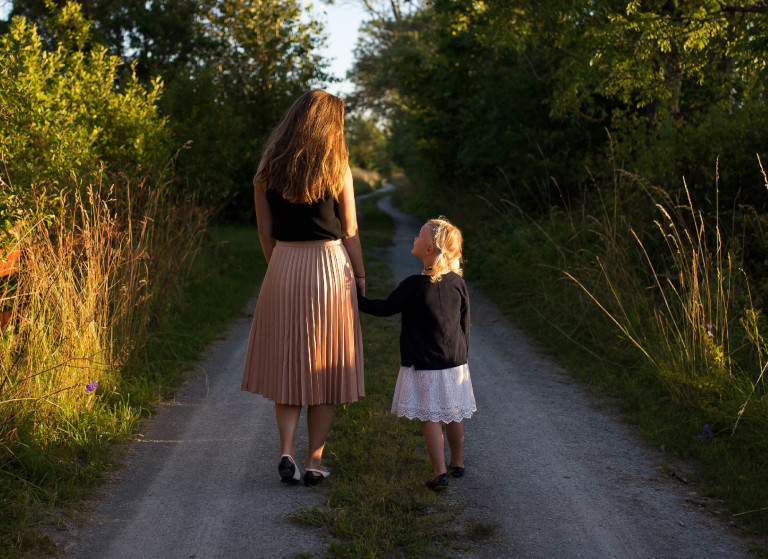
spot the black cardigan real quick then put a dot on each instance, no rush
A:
(434, 332)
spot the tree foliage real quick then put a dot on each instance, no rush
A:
(230, 68)
(367, 144)
(65, 118)
(258, 56)
(523, 91)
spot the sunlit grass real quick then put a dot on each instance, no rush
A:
(123, 299)
(677, 292)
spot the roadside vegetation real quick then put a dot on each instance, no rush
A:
(83, 365)
(606, 163)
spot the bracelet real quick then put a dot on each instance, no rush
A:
(360, 277)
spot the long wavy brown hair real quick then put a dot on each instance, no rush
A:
(306, 156)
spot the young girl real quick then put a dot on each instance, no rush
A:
(433, 384)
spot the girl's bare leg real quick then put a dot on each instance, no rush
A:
(433, 437)
(455, 432)
(287, 421)
(319, 419)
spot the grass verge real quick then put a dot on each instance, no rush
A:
(215, 290)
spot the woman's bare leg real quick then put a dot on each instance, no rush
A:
(319, 419)
(287, 421)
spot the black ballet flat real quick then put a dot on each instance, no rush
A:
(313, 476)
(287, 469)
(438, 483)
(456, 471)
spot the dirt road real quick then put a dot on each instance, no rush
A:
(558, 474)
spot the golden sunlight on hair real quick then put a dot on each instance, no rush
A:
(448, 240)
(306, 156)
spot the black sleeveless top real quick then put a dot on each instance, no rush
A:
(304, 222)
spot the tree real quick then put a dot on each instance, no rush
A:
(65, 117)
(465, 111)
(260, 56)
(526, 89)
(367, 144)
(230, 69)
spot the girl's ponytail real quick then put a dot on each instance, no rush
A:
(447, 239)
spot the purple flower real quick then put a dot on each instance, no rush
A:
(706, 433)
(91, 386)
(709, 327)
(710, 334)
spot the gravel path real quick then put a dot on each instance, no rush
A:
(549, 465)
(558, 473)
(201, 482)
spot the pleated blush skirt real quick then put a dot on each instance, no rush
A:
(305, 346)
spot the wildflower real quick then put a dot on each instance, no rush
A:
(706, 433)
(709, 331)
(91, 386)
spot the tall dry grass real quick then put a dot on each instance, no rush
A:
(659, 300)
(679, 292)
(89, 289)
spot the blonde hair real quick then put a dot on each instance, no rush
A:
(447, 239)
(306, 156)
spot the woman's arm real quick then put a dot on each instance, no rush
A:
(263, 220)
(348, 218)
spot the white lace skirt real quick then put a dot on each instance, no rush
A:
(441, 396)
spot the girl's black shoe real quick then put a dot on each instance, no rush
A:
(438, 482)
(456, 471)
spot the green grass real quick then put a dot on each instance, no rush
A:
(215, 290)
(730, 468)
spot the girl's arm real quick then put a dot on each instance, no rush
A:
(393, 304)
(348, 218)
(263, 220)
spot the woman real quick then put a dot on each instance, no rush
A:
(305, 346)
